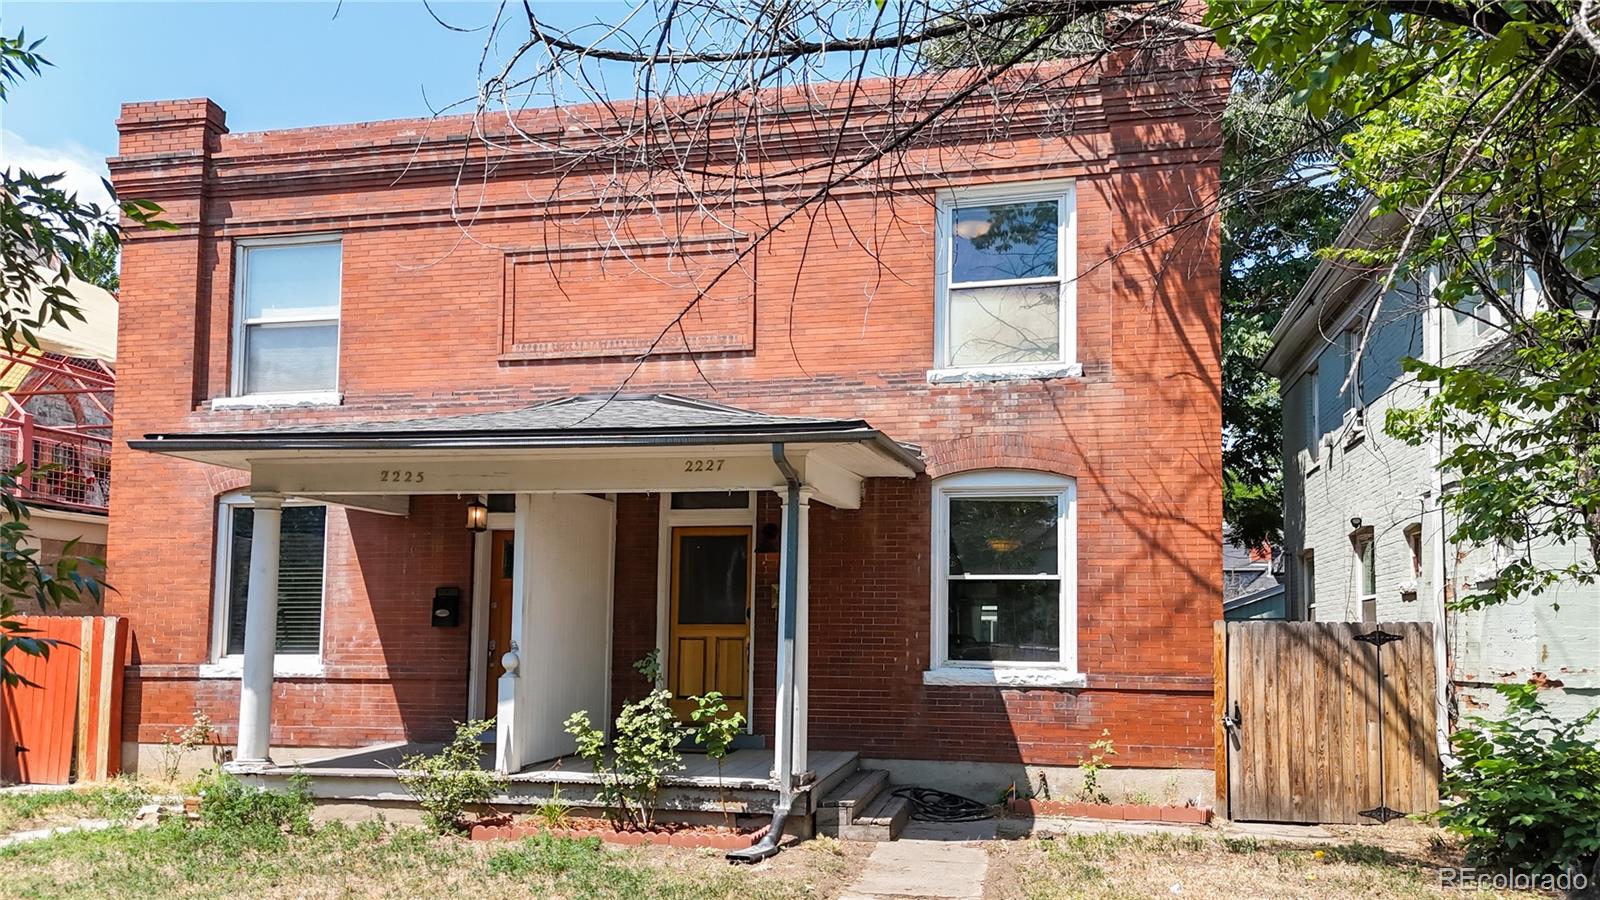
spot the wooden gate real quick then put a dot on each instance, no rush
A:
(69, 721)
(1325, 721)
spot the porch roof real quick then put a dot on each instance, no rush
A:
(650, 420)
(591, 444)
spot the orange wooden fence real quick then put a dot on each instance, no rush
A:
(69, 723)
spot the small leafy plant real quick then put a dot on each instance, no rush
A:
(1090, 766)
(449, 782)
(1526, 794)
(643, 750)
(554, 813)
(228, 803)
(178, 745)
(715, 729)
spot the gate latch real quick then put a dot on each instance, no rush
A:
(1377, 638)
(1232, 722)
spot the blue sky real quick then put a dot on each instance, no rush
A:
(270, 65)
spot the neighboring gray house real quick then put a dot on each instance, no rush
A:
(1365, 538)
(1252, 583)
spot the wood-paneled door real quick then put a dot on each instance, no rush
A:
(709, 635)
(502, 546)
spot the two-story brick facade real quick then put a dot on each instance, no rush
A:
(993, 348)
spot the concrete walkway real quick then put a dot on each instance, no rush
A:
(921, 868)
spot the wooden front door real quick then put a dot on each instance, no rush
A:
(710, 619)
(501, 557)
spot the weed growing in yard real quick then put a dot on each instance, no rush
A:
(554, 812)
(116, 801)
(1089, 791)
(229, 804)
(174, 747)
(451, 781)
(546, 855)
(715, 728)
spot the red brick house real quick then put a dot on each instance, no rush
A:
(976, 457)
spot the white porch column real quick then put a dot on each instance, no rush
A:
(508, 745)
(802, 642)
(260, 631)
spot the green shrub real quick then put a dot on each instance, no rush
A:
(715, 727)
(644, 748)
(226, 802)
(1526, 794)
(452, 780)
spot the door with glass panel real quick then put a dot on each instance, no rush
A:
(707, 647)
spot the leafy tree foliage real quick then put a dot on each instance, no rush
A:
(48, 237)
(1478, 124)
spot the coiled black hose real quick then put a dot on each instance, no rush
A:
(929, 805)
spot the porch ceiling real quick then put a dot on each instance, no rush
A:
(588, 444)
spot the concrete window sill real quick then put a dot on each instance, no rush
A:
(288, 666)
(277, 401)
(983, 374)
(1003, 676)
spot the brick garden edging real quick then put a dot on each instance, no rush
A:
(688, 839)
(1123, 812)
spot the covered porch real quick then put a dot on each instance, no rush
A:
(551, 549)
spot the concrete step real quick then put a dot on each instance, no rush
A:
(840, 806)
(882, 820)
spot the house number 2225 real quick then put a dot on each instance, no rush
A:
(703, 465)
(409, 476)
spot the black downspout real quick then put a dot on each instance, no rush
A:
(788, 625)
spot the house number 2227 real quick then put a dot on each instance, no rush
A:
(703, 465)
(409, 476)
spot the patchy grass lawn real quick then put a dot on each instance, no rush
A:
(1407, 864)
(117, 801)
(375, 860)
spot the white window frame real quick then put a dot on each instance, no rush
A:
(1007, 483)
(241, 263)
(224, 664)
(1365, 542)
(1064, 192)
(1307, 569)
(1314, 426)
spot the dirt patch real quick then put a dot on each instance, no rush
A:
(1399, 860)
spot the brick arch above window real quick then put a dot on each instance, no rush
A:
(1003, 451)
(226, 481)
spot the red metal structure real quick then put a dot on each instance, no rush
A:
(55, 417)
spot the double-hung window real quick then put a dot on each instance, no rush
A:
(1005, 266)
(301, 549)
(1004, 583)
(286, 324)
(1366, 551)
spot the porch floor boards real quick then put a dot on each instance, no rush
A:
(748, 768)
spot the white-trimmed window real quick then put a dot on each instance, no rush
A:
(1006, 266)
(286, 320)
(1005, 583)
(1365, 544)
(301, 555)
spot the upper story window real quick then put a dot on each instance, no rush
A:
(1005, 266)
(286, 326)
(1005, 586)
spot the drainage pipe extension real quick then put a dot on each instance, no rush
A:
(788, 624)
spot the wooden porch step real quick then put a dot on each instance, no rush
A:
(840, 806)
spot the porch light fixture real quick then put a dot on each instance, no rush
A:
(477, 516)
(769, 538)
